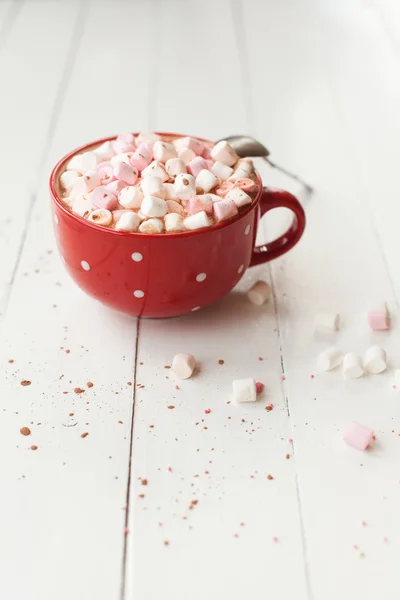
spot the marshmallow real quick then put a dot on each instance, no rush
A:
(82, 207)
(104, 152)
(378, 317)
(141, 158)
(68, 179)
(116, 187)
(174, 207)
(326, 322)
(175, 166)
(245, 184)
(375, 360)
(352, 366)
(123, 157)
(239, 197)
(122, 147)
(156, 169)
(185, 186)
(243, 169)
(85, 184)
(221, 171)
(224, 209)
(162, 151)
(358, 436)
(102, 198)
(74, 164)
(87, 161)
(101, 216)
(196, 165)
(207, 153)
(130, 197)
(197, 221)
(223, 152)
(152, 226)
(206, 181)
(186, 155)
(125, 172)
(128, 221)
(183, 365)
(260, 291)
(126, 138)
(105, 172)
(173, 222)
(197, 204)
(188, 142)
(170, 192)
(244, 390)
(147, 138)
(153, 207)
(153, 186)
(329, 359)
(223, 189)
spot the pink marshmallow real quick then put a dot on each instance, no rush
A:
(224, 188)
(247, 185)
(197, 204)
(126, 138)
(174, 207)
(105, 172)
(206, 153)
(120, 147)
(378, 319)
(210, 162)
(196, 165)
(358, 436)
(117, 214)
(195, 145)
(116, 186)
(142, 157)
(126, 173)
(103, 198)
(224, 209)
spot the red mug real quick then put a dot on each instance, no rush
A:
(170, 274)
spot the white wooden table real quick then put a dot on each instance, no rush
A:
(318, 81)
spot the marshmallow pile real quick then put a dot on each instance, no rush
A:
(148, 184)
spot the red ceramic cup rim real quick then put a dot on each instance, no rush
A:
(61, 163)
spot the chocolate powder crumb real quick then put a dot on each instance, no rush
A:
(166, 543)
(171, 406)
(269, 477)
(71, 414)
(269, 407)
(25, 431)
(11, 361)
(141, 495)
(287, 456)
(34, 447)
(221, 362)
(90, 384)
(83, 435)
(78, 390)
(121, 422)
(151, 426)
(67, 351)
(129, 382)
(26, 382)
(144, 482)
(167, 367)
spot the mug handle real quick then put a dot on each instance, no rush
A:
(272, 198)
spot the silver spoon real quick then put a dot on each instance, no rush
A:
(246, 146)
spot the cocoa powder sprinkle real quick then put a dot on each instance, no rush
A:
(25, 431)
(83, 435)
(26, 382)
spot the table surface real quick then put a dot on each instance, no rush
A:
(318, 81)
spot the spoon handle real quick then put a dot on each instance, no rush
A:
(289, 174)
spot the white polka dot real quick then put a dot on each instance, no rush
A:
(85, 265)
(138, 294)
(137, 257)
(240, 269)
(201, 277)
(247, 230)
(56, 219)
(195, 308)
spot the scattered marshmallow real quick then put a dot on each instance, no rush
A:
(123, 157)
(197, 221)
(358, 436)
(162, 151)
(175, 207)
(245, 184)
(244, 390)
(153, 186)
(185, 186)
(194, 145)
(196, 165)
(259, 293)
(170, 193)
(175, 166)
(85, 183)
(130, 197)
(154, 207)
(68, 179)
(116, 187)
(221, 171)
(243, 169)
(183, 365)
(352, 366)
(326, 322)
(105, 171)
(378, 317)
(104, 152)
(152, 226)
(174, 222)
(239, 197)
(101, 216)
(82, 207)
(102, 198)
(150, 138)
(197, 204)
(223, 189)
(329, 359)
(126, 138)
(375, 360)
(128, 221)
(156, 169)
(206, 181)
(122, 147)
(224, 209)
(223, 152)
(186, 155)
(125, 172)
(141, 158)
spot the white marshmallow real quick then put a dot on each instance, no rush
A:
(173, 222)
(244, 390)
(119, 158)
(214, 197)
(82, 207)
(74, 164)
(239, 197)
(154, 207)
(86, 183)
(326, 322)
(223, 152)
(128, 221)
(175, 207)
(101, 216)
(197, 221)
(185, 186)
(329, 359)
(243, 169)
(152, 226)
(68, 179)
(87, 161)
(162, 151)
(131, 197)
(155, 169)
(259, 293)
(153, 186)
(206, 181)
(147, 138)
(221, 171)
(375, 360)
(183, 365)
(170, 193)
(104, 152)
(186, 154)
(175, 166)
(352, 366)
